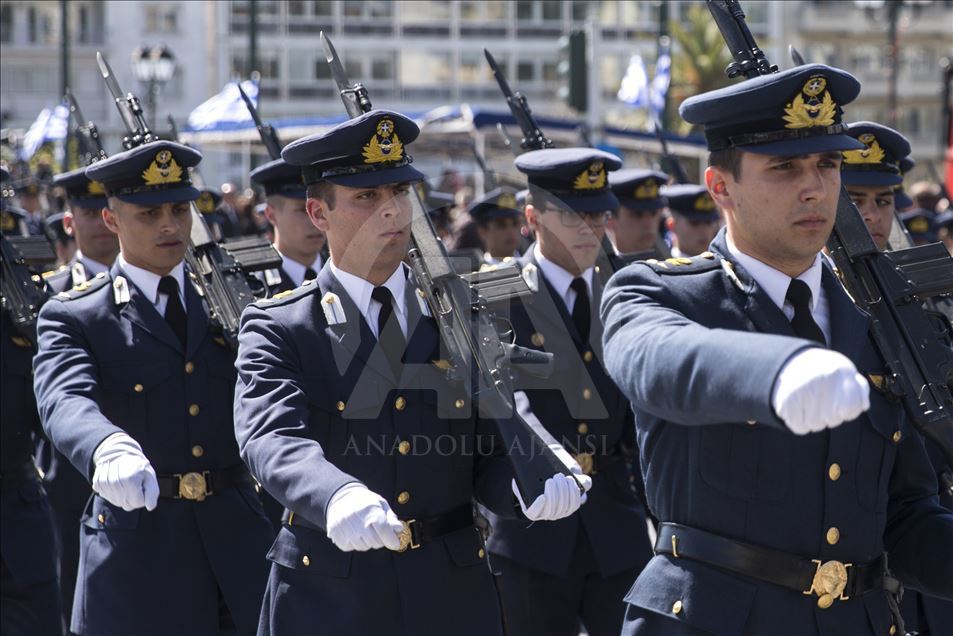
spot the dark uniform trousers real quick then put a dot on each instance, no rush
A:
(553, 574)
(717, 458)
(317, 407)
(109, 362)
(66, 487)
(29, 594)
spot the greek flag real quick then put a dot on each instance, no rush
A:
(227, 106)
(635, 84)
(51, 125)
(660, 83)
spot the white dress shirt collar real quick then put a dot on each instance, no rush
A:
(560, 279)
(360, 289)
(148, 283)
(296, 270)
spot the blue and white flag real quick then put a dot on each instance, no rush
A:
(226, 106)
(660, 83)
(635, 84)
(52, 124)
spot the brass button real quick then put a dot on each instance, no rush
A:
(481, 553)
(537, 339)
(833, 536)
(834, 472)
(403, 497)
(587, 356)
(400, 404)
(138, 388)
(751, 422)
(340, 406)
(583, 428)
(101, 518)
(189, 367)
(587, 394)
(306, 560)
(194, 410)
(896, 436)
(197, 451)
(677, 607)
(404, 447)
(459, 404)
(893, 630)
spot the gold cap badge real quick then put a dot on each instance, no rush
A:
(384, 146)
(163, 169)
(592, 178)
(873, 153)
(506, 200)
(919, 225)
(646, 190)
(9, 222)
(704, 203)
(818, 109)
(205, 203)
(95, 188)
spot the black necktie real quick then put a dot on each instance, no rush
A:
(174, 312)
(389, 335)
(310, 274)
(580, 309)
(799, 295)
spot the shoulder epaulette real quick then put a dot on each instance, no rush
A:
(54, 272)
(85, 288)
(289, 296)
(706, 261)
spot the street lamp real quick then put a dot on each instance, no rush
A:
(153, 66)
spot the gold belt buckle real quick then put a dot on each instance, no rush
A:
(830, 580)
(585, 462)
(193, 486)
(406, 536)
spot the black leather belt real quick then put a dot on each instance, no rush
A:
(829, 581)
(417, 532)
(196, 486)
(25, 472)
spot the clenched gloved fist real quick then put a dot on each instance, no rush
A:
(123, 476)
(359, 519)
(561, 497)
(819, 389)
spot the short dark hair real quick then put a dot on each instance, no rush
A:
(728, 159)
(323, 190)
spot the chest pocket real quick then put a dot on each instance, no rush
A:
(739, 460)
(327, 405)
(129, 394)
(876, 451)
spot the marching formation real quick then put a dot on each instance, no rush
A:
(643, 406)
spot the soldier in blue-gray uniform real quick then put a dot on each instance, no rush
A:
(29, 593)
(636, 223)
(554, 576)
(873, 178)
(780, 474)
(134, 387)
(498, 225)
(344, 413)
(296, 239)
(96, 249)
(694, 221)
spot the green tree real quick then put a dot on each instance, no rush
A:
(699, 58)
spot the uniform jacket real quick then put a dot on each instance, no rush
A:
(26, 526)
(580, 407)
(109, 362)
(697, 347)
(316, 408)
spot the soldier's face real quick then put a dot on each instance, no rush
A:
(92, 236)
(295, 234)
(570, 240)
(151, 236)
(368, 229)
(779, 209)
(876, 206)
(501, 236)
(635, 230)
(693, 236)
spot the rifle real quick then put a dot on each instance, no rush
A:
(533, 137)
(467, 326)
(92, 146)
(23, 290)
(267, 132)
(221, 271)
(675, 165)
(890, 286)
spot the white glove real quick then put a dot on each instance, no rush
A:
(560, 498)
(123, 476)
(818, 389)
(359, 519)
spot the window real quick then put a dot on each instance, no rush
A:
(525, 10)
(552, 10)
(474, 69)
(425, 68)
(525, 72)
(161, 18)
(550, 71)
(481, 11)
(382, 68)
(301, 65)
(309, 8)
(6, 23)
(31, 25)
(417, 10)
(368, 9)
(580, 10)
